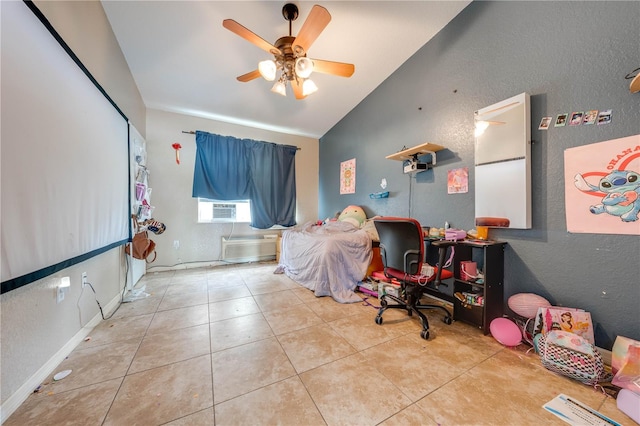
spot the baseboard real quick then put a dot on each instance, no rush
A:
(14, 401)
(182, 266)
(195, 265)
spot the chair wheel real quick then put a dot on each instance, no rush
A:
(424, 334)
(379, 320)
(447, 320)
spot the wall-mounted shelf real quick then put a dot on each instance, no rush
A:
(412, 154)
(418, 150)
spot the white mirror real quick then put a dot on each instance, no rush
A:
(503, 164)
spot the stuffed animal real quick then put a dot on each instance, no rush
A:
(354, 215)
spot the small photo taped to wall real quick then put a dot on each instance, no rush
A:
(576, 118)
(544, 123)
(561, 120)
(604, 117)
(590, 117)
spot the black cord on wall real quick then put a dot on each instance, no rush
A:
(124, 288)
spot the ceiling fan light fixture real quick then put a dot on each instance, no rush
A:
(290, 53)
(279, 88)
(304, 67)
(267, 69)
(309, 87)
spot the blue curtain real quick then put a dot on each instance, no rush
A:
(222, 168)
(228, 168)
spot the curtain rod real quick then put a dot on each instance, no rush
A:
(191, 132)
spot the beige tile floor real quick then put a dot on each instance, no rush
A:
(243, 346)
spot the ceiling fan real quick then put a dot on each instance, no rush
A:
(290, 53)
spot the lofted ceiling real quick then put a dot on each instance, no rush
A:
(184, 61)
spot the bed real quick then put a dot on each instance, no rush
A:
(328, 259)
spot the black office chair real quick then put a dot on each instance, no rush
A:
(402, 252)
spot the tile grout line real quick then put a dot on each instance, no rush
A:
(115, 395)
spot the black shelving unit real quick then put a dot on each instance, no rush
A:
(489, 257)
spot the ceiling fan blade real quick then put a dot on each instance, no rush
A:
(249, 76)
(334, 68)
(317, 20)
(296, 85)
(250, 36)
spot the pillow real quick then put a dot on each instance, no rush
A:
(354, 215)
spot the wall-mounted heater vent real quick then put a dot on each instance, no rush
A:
(248, 249)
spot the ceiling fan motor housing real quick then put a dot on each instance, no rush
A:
(288, 58)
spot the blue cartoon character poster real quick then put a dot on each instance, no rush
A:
(602, 187)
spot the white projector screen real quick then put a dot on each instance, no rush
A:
(65, 154)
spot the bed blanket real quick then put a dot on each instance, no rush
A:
(328, 259)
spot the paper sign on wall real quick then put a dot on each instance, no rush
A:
(348, 177)
(602, 187)
(458, 181)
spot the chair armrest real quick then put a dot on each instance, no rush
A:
(442, 245)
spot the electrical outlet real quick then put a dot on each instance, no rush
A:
(84, 279)
(176, 244)
(59, 294)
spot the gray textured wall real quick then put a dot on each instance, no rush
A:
(569, 56)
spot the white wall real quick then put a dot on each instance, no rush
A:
(35, 328)
(37, 332)
(172, 186)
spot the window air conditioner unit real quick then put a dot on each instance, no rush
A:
(224, 211)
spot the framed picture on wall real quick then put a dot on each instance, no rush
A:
(348, 177)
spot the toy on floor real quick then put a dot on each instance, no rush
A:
(505, 331)
(526, 304)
